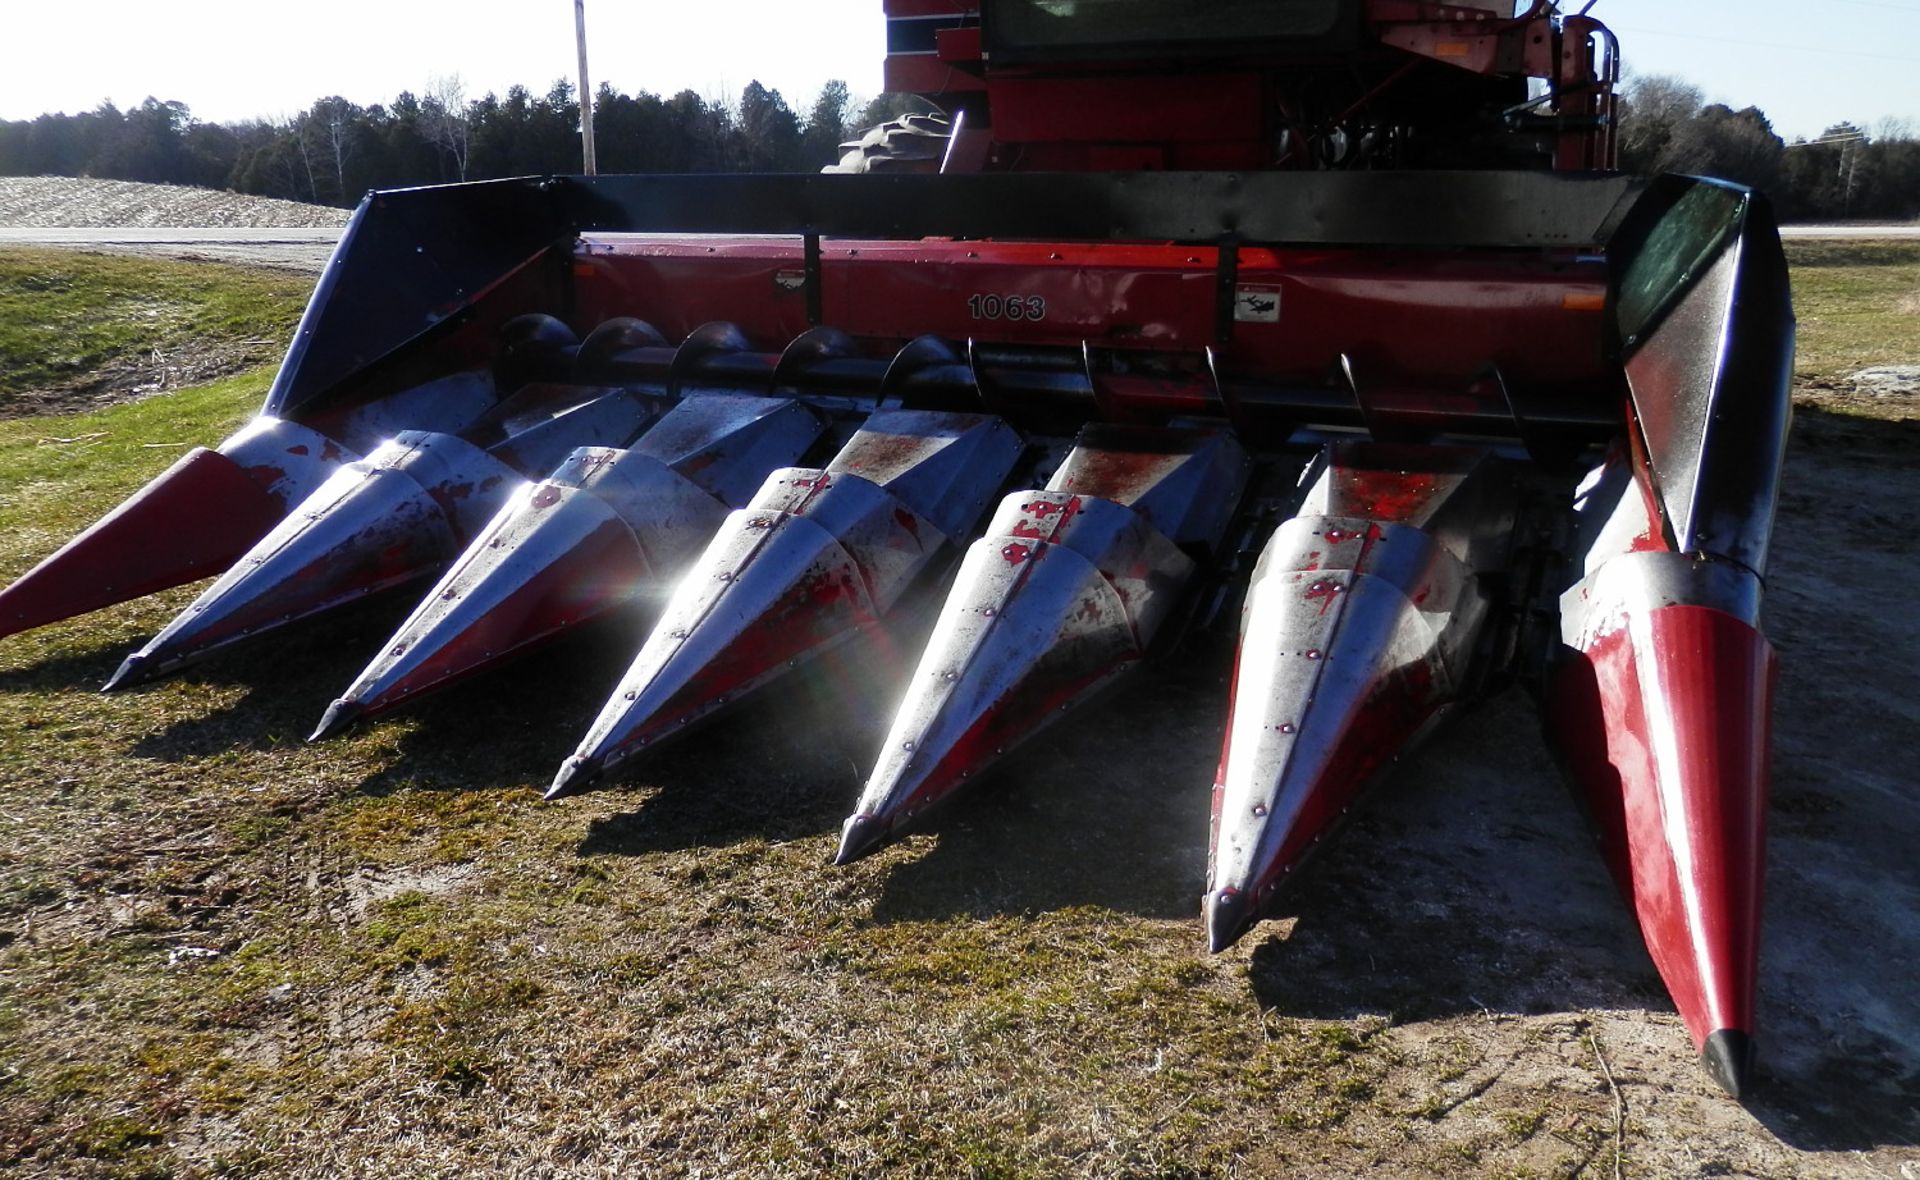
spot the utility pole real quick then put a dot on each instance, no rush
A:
(1850, 153)
(586, 89)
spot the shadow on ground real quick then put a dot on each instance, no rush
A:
(82, 670)
(288, 678)
(510, 725)
(787, 763)
(1108, 808)
(1840, 1015)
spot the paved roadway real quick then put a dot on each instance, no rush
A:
(291, 249)
(232, 236)
(1904, 230)
(308, 249)
(236, 236)
(133, 236)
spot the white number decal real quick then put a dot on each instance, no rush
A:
(1007, 307)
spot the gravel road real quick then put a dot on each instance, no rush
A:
(1906, 230)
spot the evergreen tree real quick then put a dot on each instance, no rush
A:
(826, 126)
(768, 131)
(336, 150)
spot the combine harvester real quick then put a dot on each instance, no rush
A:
(1333, 303)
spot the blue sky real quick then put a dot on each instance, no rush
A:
(1807, 65)
(234, 59)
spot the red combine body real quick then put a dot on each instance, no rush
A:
(1329, 304)
(1126, 85)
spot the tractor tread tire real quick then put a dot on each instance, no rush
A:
(910, 143)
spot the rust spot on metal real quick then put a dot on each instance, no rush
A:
(1388, 495)
(1121, 476)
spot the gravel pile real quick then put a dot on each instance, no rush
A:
(1888, 381)
(60, 202)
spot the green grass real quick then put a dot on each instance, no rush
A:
(1858, 305)
(74, 324)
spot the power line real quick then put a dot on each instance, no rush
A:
(1879, 4)
(1829, 141)
(1719, 40)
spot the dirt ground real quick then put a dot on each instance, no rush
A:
(1477, 981)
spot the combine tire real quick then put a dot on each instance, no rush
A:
(911, 143)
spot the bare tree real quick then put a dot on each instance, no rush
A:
(336, 122)
(447, 119)
(1653, 109)
(300, 149)
(1894, 127)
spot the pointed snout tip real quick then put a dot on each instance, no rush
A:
(1229, 914)
(1727, 1055)
(861, 835)
(576, 775)
(127, 675)
(339, 715)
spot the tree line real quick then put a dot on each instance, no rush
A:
(1845, 172)
(336, 150)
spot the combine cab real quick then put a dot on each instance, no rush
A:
(1330, 305)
